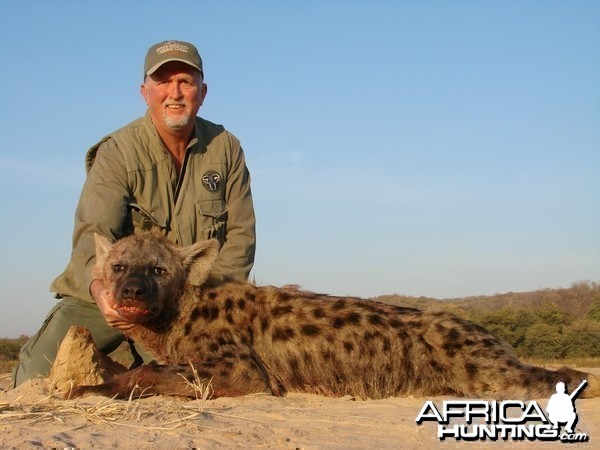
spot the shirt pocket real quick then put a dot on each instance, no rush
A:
(139, 220)
(212, 219)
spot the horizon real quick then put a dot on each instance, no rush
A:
(575, 285)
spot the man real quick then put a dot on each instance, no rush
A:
(169, 171)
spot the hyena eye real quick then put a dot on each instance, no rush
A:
(118, 268)
(159, 271)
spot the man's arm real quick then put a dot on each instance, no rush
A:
(102, 209)
(236, 257)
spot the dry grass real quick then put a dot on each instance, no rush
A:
(587, 361)
(150, 414)
(169, 413)
(202, 389)
(7, 366)
(5, 381)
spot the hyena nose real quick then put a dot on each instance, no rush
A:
(133, 289)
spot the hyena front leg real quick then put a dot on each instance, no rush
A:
(225, 377)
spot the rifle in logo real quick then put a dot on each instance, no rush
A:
(579, 388)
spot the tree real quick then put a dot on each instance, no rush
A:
(509, 324)
(544, 341)
(551, 314)
(594, 311)
(582, 339)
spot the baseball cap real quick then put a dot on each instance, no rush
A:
(167, 51)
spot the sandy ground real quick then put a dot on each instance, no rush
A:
(30, 417)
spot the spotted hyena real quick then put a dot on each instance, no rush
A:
(248, 339)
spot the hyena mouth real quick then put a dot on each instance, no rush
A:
(136, 313)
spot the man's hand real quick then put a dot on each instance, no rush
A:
(105, 301)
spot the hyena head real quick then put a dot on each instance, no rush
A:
(144, 272)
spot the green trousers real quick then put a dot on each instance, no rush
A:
(38, 354)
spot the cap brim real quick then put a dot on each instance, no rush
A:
(155, 67)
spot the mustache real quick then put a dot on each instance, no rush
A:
(174, 103)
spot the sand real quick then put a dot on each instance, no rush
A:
(30, 416)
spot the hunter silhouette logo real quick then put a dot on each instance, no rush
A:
(561, 406)
(507, 419)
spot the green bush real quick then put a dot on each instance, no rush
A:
(582, 339)
(594, 311)
(509, 324)
(10, 348)
(546, 331)
(544, 341)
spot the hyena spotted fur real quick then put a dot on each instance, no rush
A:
(248, 339)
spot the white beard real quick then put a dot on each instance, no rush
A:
(176, 123)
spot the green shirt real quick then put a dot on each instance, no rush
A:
(132, 186)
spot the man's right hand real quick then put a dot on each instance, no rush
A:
(106, 303)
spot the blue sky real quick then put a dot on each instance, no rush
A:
(429, 148)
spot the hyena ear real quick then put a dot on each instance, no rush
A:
(199, 259)
(103, 247)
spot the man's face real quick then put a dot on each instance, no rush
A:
(174, 94)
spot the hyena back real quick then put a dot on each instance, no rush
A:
(247, 339)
